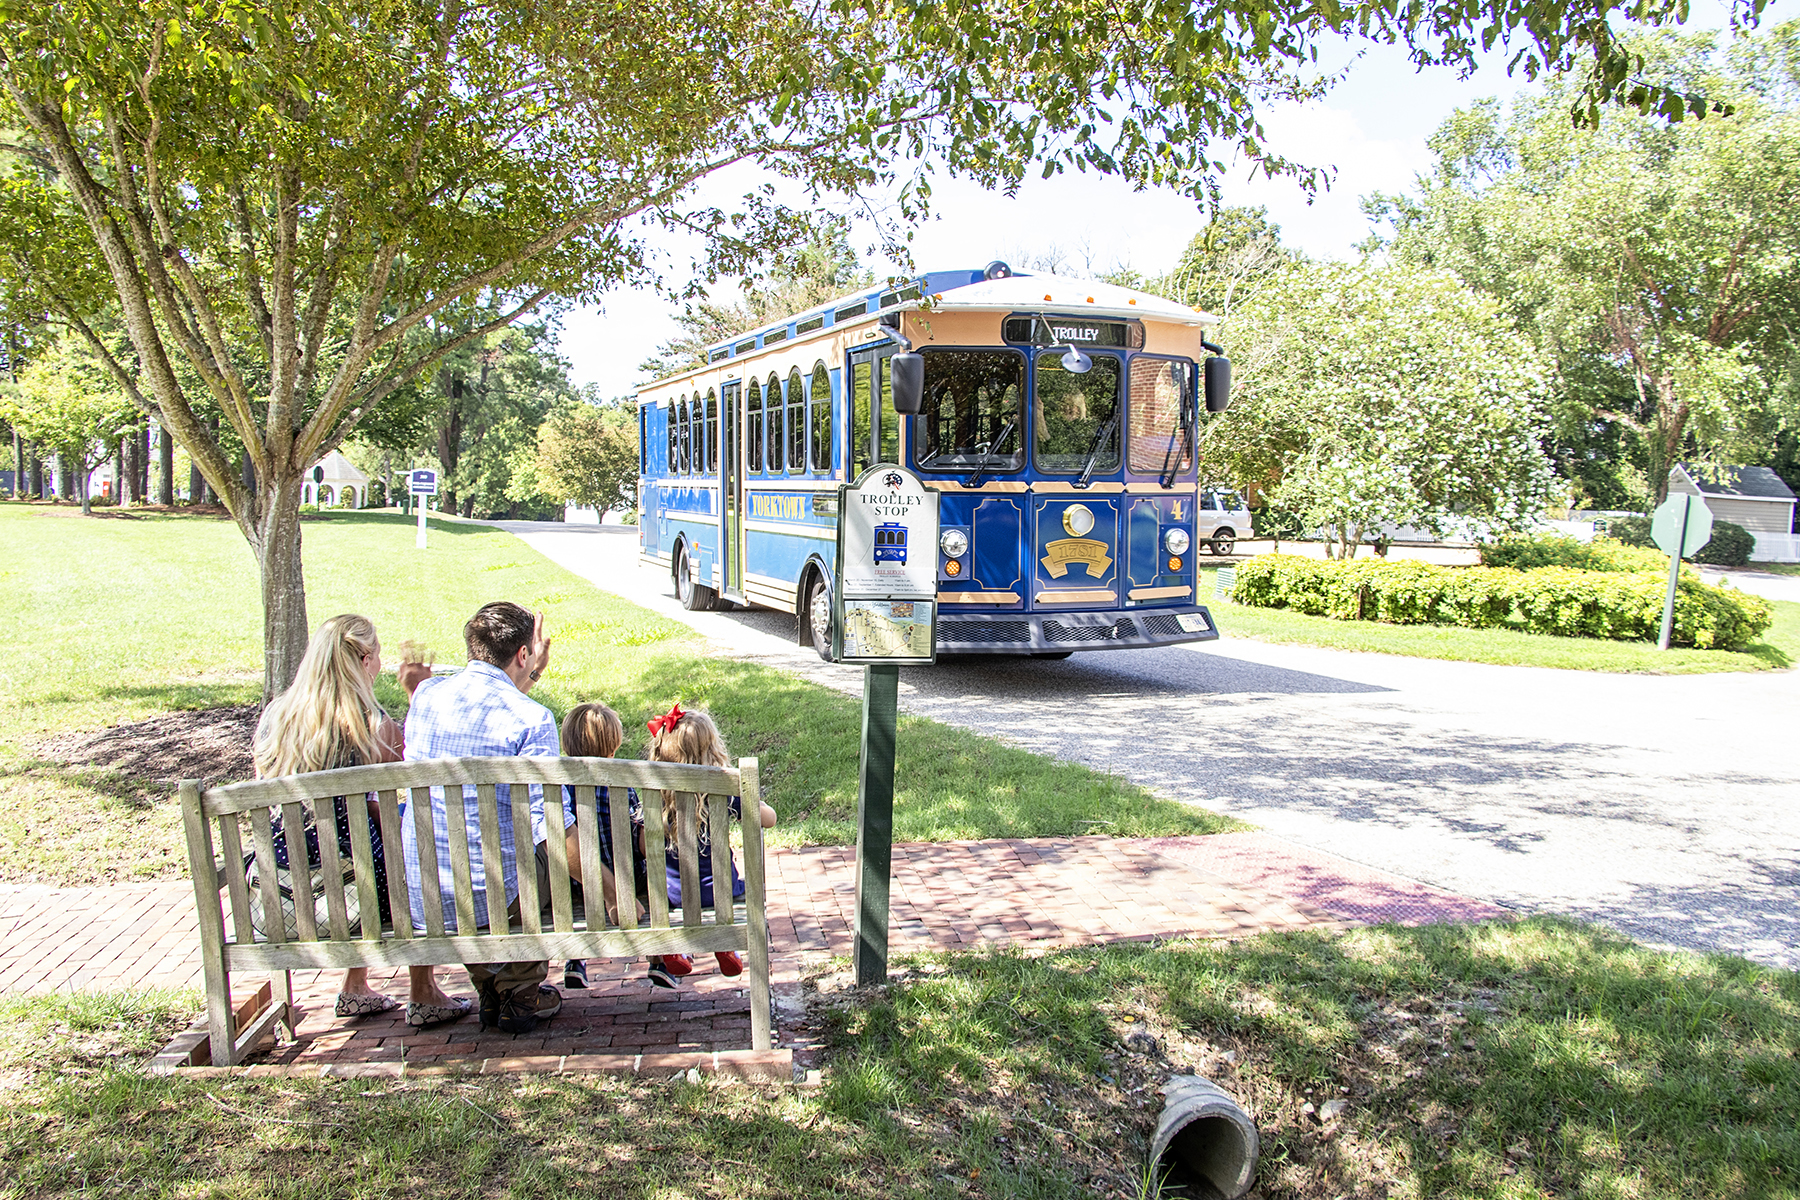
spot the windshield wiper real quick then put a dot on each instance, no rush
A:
(988, 455)
(1172, 458)
(1102, 436)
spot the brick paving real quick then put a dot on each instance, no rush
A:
(949, 895)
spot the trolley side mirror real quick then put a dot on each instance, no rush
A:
(908, 372)
(1218, 384)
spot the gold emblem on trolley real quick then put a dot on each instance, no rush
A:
(1178, 512)
(1059, 555)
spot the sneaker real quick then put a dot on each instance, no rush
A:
(664, 971)
(575, 974)
(729, 962)
(522, 1008)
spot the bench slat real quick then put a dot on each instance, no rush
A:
(624, 853)
(756, 916)
(462, 888)
(531, 905)
(431, 893)
(399, 901)
(687, 852)
(331, 866)
(362, 854)
(293, 831)
(487, 947)
(718, 825)
(492, 860)
(587, 835)
(556, 845)
(221, 1026)
(274, 921)
(610, 772)
(656, 883)
(232, 846)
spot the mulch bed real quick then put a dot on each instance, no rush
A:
(212, 744)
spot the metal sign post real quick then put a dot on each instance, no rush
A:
(1679, 526)
(422, 483)
(884, 613)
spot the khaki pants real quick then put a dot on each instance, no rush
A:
(512, 976)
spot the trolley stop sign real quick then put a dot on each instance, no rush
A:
(422, 482)
(1681, 524)
(885, 608)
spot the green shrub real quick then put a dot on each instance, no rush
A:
(1624, 606)
(1730, 546)
(1633, 531)
(1601, 554)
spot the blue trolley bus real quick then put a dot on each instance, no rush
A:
(1057, 418)
(890, 543)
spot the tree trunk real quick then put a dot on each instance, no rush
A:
(275, 540)
(37, 475)
(65, 478)
(468, 507)
(18, 466)
(140, 440)
(84, 485)
(165, 479)
(128, 469)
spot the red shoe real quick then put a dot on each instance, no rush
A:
(675, 964)
(729, 962)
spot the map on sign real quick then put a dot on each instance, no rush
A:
(887, 629)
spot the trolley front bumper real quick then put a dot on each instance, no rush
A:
(1039, 632)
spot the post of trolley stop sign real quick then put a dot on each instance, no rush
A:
(883, 614)
(1679, 526)
(421, 483)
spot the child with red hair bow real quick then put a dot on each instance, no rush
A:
(693, 737)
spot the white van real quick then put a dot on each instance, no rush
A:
(1222, 520)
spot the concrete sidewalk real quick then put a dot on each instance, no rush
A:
(1043, 892)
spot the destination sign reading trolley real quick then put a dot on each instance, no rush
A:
(885, 610)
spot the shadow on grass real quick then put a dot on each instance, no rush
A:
(434, 525)
(1533, 1058)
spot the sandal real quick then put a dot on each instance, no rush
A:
(364, 1004)
(421, 1015)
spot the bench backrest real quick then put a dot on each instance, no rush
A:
(216, 817)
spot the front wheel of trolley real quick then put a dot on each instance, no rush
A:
(818, 616)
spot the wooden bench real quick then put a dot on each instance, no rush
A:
(220, 820)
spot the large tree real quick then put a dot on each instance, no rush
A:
(1372, 396)
(1657, 265)
(281, 197)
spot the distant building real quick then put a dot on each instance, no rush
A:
(339, 484)
(1754, 497)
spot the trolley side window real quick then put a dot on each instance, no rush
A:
(1158, 386)
(821, 420)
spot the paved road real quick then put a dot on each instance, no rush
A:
(1666, 807)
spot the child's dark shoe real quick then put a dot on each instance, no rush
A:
(575, 974)
(729, 962)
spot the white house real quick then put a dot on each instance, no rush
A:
(334, 482)
(1754, 497)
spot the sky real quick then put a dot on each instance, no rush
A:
(1370, 129)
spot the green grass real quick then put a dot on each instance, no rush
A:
(1776, 568)
(1480, 1062)
(1779, 648)
(115, 619)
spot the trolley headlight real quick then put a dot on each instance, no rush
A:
(1176, 541)
(954, 543)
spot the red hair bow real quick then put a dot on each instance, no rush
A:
(657, 725)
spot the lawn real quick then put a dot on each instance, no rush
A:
(122, 617)
(1486, 1062)
(1779, 648)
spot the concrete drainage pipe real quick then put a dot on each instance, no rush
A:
(1204, 1137)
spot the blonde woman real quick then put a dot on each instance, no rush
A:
(329, 718)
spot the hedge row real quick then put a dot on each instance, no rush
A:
(1554, 600)
(1558, 550)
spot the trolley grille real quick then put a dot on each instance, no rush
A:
(1056, 631)
(985, 633)
(1163, 625)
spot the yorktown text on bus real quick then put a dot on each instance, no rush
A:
(1057, 418)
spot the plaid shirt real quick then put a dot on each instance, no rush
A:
(476, 712)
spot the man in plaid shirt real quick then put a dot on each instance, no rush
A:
(483, 710)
